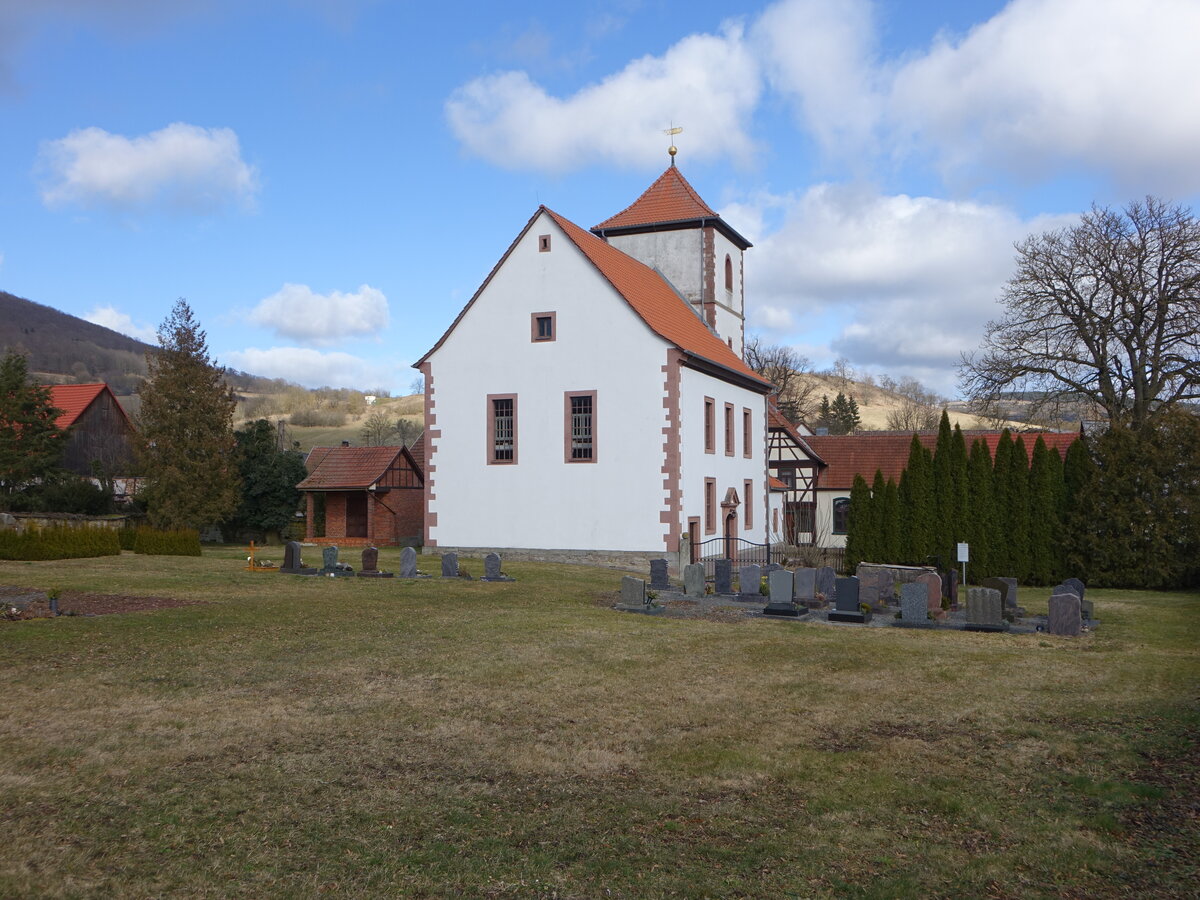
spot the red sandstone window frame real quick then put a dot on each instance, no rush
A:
(493, 444)
(710, 425)
(535, 329)
(710, 506)
(747, 433)
(729, 440)
(748, 496)
(728, 273)
(578, 434)
(543, 243)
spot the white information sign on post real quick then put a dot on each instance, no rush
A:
(964, 557)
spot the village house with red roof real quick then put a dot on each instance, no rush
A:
(591, 397)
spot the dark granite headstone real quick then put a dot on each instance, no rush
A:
(847, 607)
(805, 585)
(1080, 591)
(292, 563)
(724, 576)
(1007, 588)
(750, 582)
(827, 583)
(659, 581)
(332, 567)
(450, 565)
(693, 579)
(1065, 615)
(408, 563)
(491, 569)
(1086, 608)
(370, 564)
(950, 586)
(781, 586)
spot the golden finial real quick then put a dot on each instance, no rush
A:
(672, 131)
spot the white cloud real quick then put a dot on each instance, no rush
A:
(908, 282)
(312, 368)
(295, 311)
(111, 317)
(711, 83)
(1049, 84)
(183, 168)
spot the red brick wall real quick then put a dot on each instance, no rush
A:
(394, 516)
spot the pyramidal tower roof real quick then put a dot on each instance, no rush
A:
(669, 203)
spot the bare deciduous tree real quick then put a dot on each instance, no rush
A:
(918, 410)
(789, 371)
(378, 429)
(1107, 312)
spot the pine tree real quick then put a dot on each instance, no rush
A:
(1059, 544)
(858, 531)
(981, 524)
(1003, 558)
(187, 444)
(30, 441)
(959, 470)
(842, 415)
(269, 475)
(1018, 506)
(1044, 529)
(1079, 472)
(877, 546)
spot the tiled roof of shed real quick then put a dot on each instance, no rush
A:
(864, 453)
(776, 419)
(74, 399)
(652, 298)
(346, 468)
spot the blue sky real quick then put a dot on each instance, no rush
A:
(328, 181)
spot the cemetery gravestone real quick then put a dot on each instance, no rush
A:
(914, 604)
(292, 563)
(450, 565)
(1075, 583)
(331, 565)
(781, 586)
(491, 568)
(950, 587)
(1086, 609)
(724, 576)
(827, 583)
(750, 582)
(847, 607)
(805, 590)
(658, 575)
(408, 563)
(370, 564)
(932, 583)
(633, 591)
(693, 580)
(985, 611)
(1065, 617)
(1007, 588)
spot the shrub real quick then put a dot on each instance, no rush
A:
(152, 542)
(323, 418)
(59, 542)
(127, 536)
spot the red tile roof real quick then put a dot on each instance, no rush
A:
(346, 468)
(775, 484)
(776, 419)
(74, 399)
(417, 452)
(652, 298)
(864, 453)
(670, 200)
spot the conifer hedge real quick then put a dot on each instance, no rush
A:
(181, 542)
(59, 542)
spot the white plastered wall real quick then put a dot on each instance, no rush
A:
(600, 345)
(825, 535)
(729, 471)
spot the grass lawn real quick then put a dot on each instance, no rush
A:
(353, 737)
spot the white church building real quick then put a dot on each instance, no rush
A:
(591, 402)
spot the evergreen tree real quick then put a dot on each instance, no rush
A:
(943, 493)
(269, 475)
(1140, 505)
(1018, 504)
(1044, 528)
(30, 441)
(841, 416)
(1078, 472)
(187, 444)
(916, 501)
(1059, 544)
(860, 523)
(877, 546)
(1003, 558)
(981, 524)
(889, 523)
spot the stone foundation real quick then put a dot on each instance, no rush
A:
(635, 560)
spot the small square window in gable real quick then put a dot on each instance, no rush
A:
(543, 243)
(543, 326)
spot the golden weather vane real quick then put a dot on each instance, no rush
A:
(671, 132)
